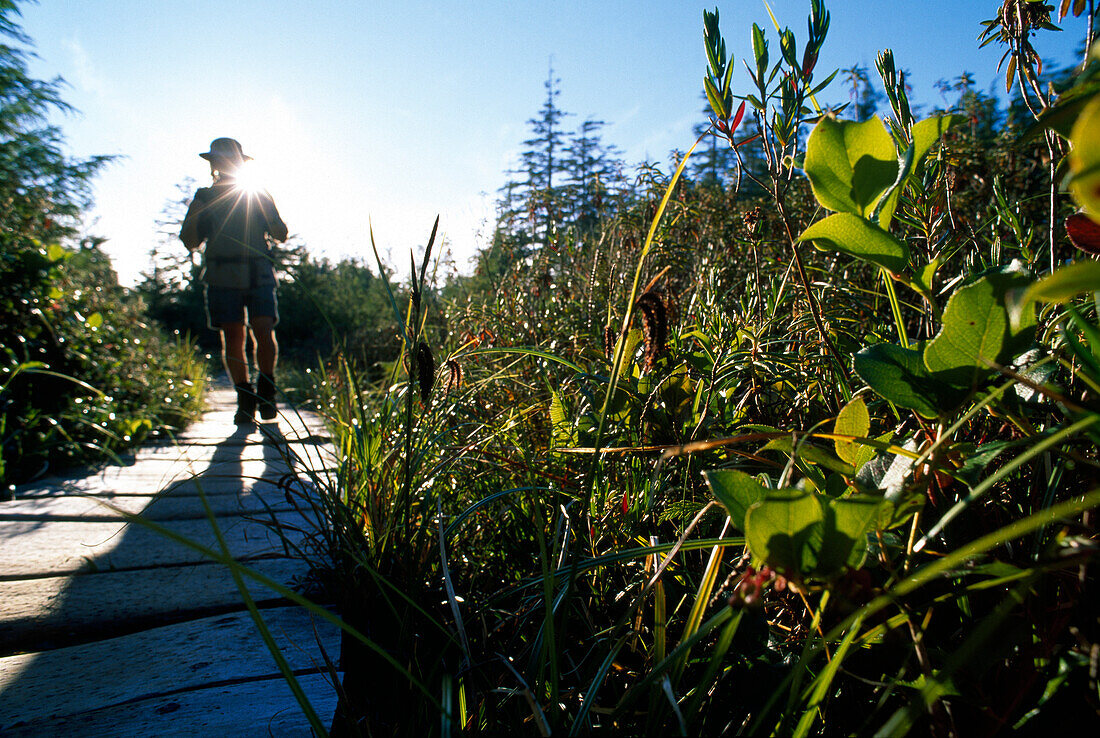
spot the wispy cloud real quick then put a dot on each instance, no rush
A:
(85, 75)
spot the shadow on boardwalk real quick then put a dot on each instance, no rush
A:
(128, 632)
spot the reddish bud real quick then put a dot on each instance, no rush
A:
(809, 61)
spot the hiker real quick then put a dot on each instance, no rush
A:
(238, 226)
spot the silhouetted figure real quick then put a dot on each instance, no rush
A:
(238, 226)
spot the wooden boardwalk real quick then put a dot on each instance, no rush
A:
(110, 628)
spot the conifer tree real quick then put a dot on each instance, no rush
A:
(595, 174)
(543, 160)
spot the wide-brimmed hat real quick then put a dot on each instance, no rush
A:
(228, 149)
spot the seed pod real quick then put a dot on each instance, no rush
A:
(454, 375)
(654, 326)
(425, 371)
(609, 336)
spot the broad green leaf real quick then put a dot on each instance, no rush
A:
(924, 278)
(94, 320)
(928, 131)
(836, 486)
(1084, 159)
(850, 165)
(848, 521)
(736, 490)
(896, 513)
(973, 334)
(977, 458)
(976, 331)
(854, 420)
(899, 375)
(860, 238)
(785, 530)
(1064, 114)
(1066, 283)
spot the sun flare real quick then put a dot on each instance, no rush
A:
(249, 177)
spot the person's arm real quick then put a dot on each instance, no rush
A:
(275, 225)
(189, 231)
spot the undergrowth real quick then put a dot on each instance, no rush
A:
(819, 458)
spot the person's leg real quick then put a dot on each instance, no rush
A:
(264, 314)
(225, 313)
(267, 353)
(267, 348)
(234, 336)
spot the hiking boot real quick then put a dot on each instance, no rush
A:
(246, 405)
(265, 388)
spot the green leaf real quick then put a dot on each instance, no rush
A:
(854, 420)
(925, 134)
(976, 331)
(811, 454)
(924, 278)
(715, 99)
(1062, 116)
(809, 534)
(973, 333)
(56, 252)
(563, 432)
(928, 131)
(850, 165)
(1084, 159)
(976, 459)
(785, 530)
(860, 238)
(736, 490)
(848, 521)
(899, 375)
(896, 513)
(94, 320)
(1066, 283)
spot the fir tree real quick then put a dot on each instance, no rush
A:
(595, 174)
(542, 161)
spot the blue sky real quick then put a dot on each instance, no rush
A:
(387, 113)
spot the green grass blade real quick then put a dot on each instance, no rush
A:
(988, 482)
(257, 619)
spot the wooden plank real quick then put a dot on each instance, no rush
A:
(151, 478)
(41, 548)
(159, 662)
(255, 499)
(256, 708)
(92, 606)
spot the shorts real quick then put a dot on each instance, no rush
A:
(231, 305)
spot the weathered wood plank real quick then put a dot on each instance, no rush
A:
(86, 607)
(151, 478)
(258, 708)
(52, 547)
(255, 499)
(152, 475)
(158, 662)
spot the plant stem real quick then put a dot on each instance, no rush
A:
(815, 309)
